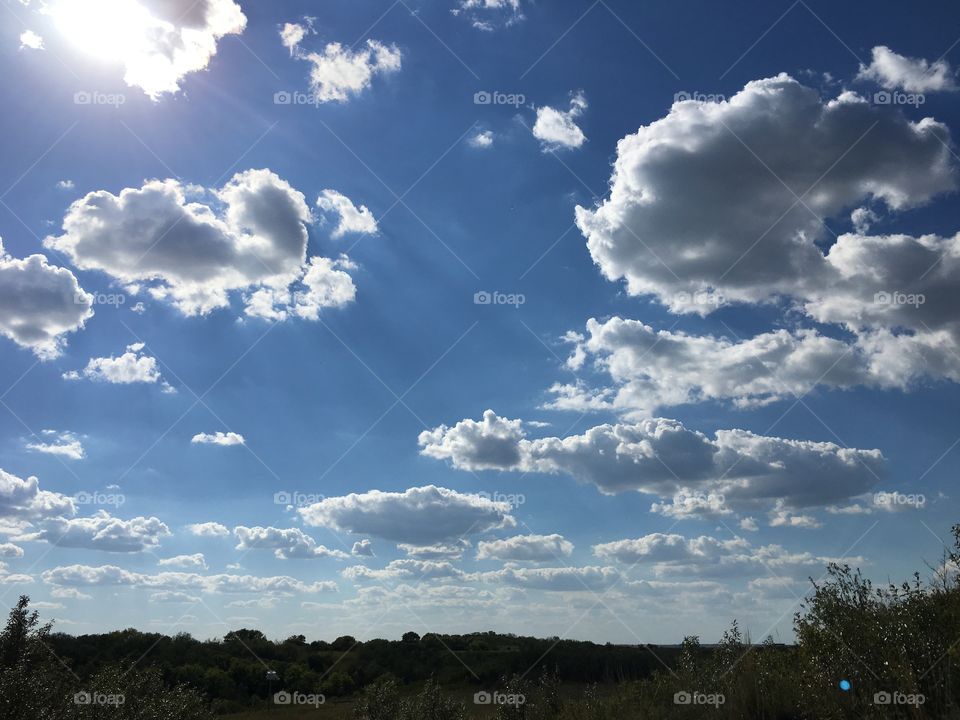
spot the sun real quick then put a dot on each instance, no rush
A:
(112, 30)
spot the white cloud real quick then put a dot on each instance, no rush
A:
(339, 73)
(896, 295)
(490, 444)
(9, 550)
(65, 444)
(208, 529)
(105, 575)
(14, 578)
(286, 543)
(405, 569)
(362, 548)
(661, 457)
(556, 129)
(418, 515)
(195, 561)
(218, 438)
(351, 218)
(566, 579)
(782, 517)
(23, 500)
(674, 225)
(40, 303)
(653, 369)
(429, 597)
(101, 531)
(249, 237)
(704, 556)
(325, 284)
(686, 505)
(264, 603)
(134, 366)
(890, 501)
(158, 42)
(892, 71)
(452, 551)
(173, 596)
(888, 284)
(41, 605)
(525, 548)
(291, 34)
(481, 140)
(29, 39)
(65, 185)
(487, 15)
(69, 594)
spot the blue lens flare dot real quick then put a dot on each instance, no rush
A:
(845, 685)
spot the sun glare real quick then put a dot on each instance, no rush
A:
(107, 29)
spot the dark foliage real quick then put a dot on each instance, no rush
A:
(895, 645)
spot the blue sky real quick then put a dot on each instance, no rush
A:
(652, 467)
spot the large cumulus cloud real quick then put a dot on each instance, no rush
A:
(706, 198)
(725, 202)
(662, 457)
(40, 303)
(192, 247)
(418, 516)
(22, 501)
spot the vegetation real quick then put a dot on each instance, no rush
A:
(862, 652)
